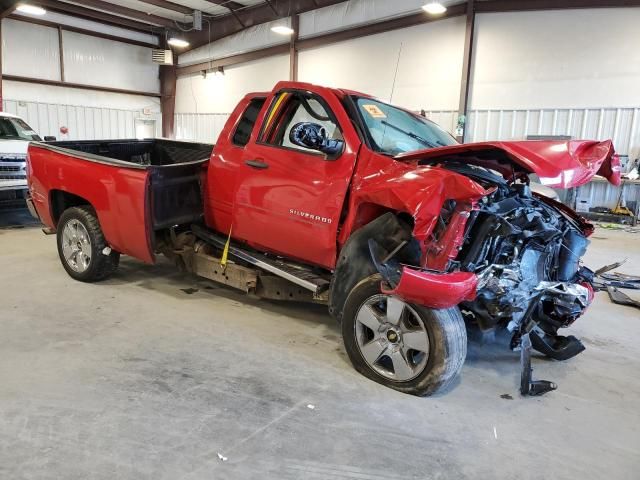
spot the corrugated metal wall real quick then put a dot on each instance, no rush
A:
(620, 124)
(84, 123)
(200, 127)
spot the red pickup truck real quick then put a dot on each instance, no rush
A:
(326, 195)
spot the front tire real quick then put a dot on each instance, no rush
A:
(81, 244)
(409, 348)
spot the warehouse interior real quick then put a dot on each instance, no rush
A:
(158, 372)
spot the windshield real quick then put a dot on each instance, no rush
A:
(393, 131)
(16, 129)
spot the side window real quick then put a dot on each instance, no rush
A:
(247, 121)
(288, 110)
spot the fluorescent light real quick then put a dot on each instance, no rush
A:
(434, 8)
(177, 42)
(31, 9)
(282, 30)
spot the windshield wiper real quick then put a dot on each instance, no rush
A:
(415, 136)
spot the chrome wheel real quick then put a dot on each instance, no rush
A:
(76, 245)
(392, 338)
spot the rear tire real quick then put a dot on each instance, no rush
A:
(409, 348)
(81, 244)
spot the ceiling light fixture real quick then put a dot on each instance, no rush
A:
(434, 8)
(177, 42)
(31, 9)
(282, 30)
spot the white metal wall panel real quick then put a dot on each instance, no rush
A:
(316, 22)
(428, 60)
(203, 127)
(252, 38)
(622, 125)
(580, 58)
(97, 61)
(220, 94)
(30, 50)
(356, 12)
(84, 123)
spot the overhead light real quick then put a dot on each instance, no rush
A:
(434, 8)
(177, 42)
(31, 9)
(282, 30)
(219, 72)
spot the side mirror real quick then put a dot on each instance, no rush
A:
(49, 139)
(314, 136)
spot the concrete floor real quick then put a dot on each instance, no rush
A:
(135, 379)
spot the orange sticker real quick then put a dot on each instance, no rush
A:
(374, 111)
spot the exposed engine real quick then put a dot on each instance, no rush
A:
(526, 254)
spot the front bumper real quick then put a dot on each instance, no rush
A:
(13, 184)
(435, 290)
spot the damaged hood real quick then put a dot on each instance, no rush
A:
(562, 164)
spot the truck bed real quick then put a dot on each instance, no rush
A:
(136, 153)
(137, 187)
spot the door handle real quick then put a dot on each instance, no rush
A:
(257, 164)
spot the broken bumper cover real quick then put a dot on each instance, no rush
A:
(435, 290)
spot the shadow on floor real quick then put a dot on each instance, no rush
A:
(16, 215)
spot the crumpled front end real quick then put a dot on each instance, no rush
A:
(510, 259)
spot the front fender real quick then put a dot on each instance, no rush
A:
(435, 290)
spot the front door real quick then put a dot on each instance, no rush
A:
(289, 198)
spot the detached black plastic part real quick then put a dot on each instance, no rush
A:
(620, 298)
(562, 348)
(527, 385)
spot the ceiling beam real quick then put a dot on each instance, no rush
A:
(128, 12)
(82, 86)
(231, 5)
(7, 7)
(174, 7)
(96, 16)
(488, 6)
(249, 16)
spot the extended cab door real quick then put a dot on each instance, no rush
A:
(289, 199)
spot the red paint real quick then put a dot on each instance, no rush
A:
(589, 287)
(117, 194)
(305, 207)
(558, 164)
(265, 205)
(436, 290)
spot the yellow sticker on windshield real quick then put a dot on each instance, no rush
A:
(374, 111)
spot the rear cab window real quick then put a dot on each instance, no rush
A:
(247, 121)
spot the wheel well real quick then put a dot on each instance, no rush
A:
(61, 200)
(355, 263)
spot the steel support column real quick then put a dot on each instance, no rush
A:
(465, 83)
(293, 48)
(168, 80)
